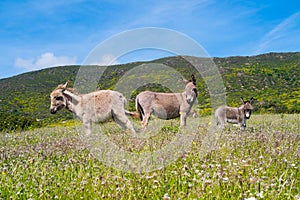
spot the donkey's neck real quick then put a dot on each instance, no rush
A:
(241, 111)
(72, 101)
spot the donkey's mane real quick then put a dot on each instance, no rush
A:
(60, 87)
(72, 90)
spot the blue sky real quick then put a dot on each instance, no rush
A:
(38, 34)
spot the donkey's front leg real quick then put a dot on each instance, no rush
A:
(87, 127)
(243, 125)
(183, 117)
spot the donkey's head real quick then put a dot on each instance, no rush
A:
(58, 99)
(247, 107)
(191, 90)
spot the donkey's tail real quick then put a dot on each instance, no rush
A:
(135, 114)
(139, 113)
(132, 114)
(139, 108)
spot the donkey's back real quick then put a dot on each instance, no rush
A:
(102, 105)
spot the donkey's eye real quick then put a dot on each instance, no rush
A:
(59, 98)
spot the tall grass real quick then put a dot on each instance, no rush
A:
(53, 163)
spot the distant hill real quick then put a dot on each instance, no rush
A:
(272, 79)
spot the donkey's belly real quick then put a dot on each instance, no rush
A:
(163, 113)
(101, 117)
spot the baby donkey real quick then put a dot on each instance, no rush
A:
(234, 115)
(96, 106)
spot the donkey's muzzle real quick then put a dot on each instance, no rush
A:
(53, 111)
(247, 115)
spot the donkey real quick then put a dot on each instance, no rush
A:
(166, 105)
(234, 115)
(97, 106)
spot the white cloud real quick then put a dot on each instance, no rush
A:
(45, 60)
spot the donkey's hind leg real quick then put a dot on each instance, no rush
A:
(123, 121)
(145, 119)
(220, 123)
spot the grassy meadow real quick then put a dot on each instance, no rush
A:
(55, 163)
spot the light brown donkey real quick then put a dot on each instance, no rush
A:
(234, 115)
(167, 105)
(92, 107)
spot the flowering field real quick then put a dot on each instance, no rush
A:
(259, 163)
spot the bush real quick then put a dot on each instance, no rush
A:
(12, 122)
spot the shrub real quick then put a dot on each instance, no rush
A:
(12, 122)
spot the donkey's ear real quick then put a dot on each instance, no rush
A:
(193, 79)
(242, 99)
(252, 100)
(184, 80)
(65, 85)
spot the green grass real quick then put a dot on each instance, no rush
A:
(54, 163)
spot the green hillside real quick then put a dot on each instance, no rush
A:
(272, 79)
